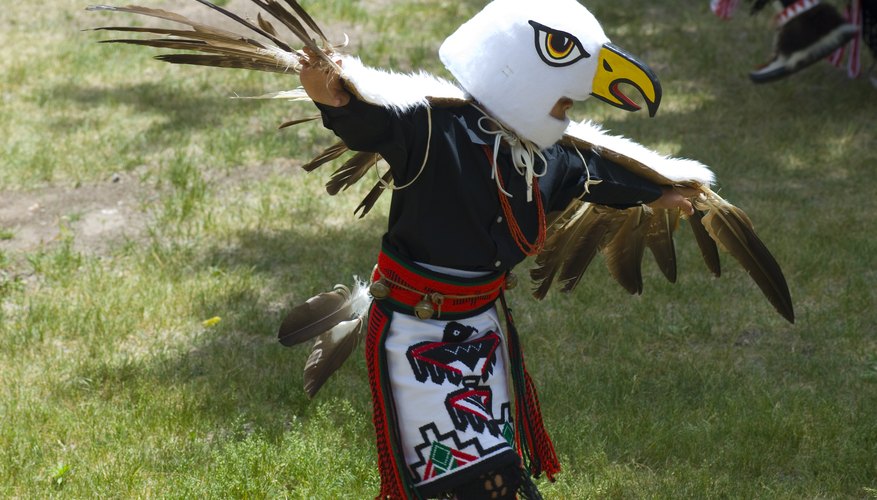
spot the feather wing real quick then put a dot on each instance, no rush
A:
(205, 45)
(317, 315)
(732, 229)
(352, 170)
(659, 240)
(372, 197)
(707, 245)
(622, 235)
(593, 234)
(624, 253)
(330, 351)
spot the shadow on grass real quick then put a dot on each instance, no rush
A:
(242, 352)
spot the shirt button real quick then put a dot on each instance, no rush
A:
(497, 263)
(499, 219)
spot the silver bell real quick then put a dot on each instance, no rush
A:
(379, 290)
(511, 281)
(424, 309)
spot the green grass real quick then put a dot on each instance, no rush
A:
(112, 384)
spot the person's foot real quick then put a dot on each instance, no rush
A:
(808, 32)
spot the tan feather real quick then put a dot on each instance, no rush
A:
(295, 26)
(352, 170)
(297, 121)
(265, 24)
(591, 233)
(372, 197)
(177, 18)
(330, 351)
(662, 224)
(624, 253)
(327, 155)
(551, 259)
(317, 315)
(229, 62)
(306, 18)
(244, 22)
(247, 53)
(732, 229)
(708, 249)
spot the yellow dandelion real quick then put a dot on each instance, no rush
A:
(211, 322)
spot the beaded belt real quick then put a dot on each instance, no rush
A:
(418, 291)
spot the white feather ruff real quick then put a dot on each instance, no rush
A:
(675, 169)
(360, 299)
(397, 91)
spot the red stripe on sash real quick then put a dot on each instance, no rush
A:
(409, 285)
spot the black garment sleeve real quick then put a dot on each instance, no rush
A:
(609, 184)
(366, 127)
(618, 187)
(362, 126)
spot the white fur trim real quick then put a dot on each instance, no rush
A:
(397, 91)
(675, 169)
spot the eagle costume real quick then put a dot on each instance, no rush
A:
(482, 176)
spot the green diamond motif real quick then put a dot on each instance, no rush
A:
(441, 457)
(508, 433)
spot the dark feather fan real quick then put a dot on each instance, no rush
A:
(622, 235)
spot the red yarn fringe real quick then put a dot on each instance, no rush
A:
(392, 486)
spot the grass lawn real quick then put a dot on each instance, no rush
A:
(153, 232)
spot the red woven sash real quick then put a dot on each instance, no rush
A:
(451, 296)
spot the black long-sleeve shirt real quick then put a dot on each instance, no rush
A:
(451, 215)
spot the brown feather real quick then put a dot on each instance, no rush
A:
(300, 12)
(201, 46)
(352, 170)
(265, 24)
(624, 253)
(327, 155)
(591, 236)
(317, 315)
(372, 197)
(221, 62)
(146, 11)
(550, 260)
(297, 121)
(296, 27)
(708, 248)
(659, 239)
(330, 351)
(231, 40)
(447, 102)
(244, 22)
(733, 230)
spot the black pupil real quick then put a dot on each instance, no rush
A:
(559, 43)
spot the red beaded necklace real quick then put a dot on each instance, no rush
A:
(525, 246)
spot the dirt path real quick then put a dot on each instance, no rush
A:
(95, 215)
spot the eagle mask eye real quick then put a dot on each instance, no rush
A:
(557, 48)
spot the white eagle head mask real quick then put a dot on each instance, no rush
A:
(519, 57)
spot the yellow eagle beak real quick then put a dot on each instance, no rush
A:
(615, 66)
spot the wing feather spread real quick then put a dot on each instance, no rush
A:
(575, 237)
(621, 235)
